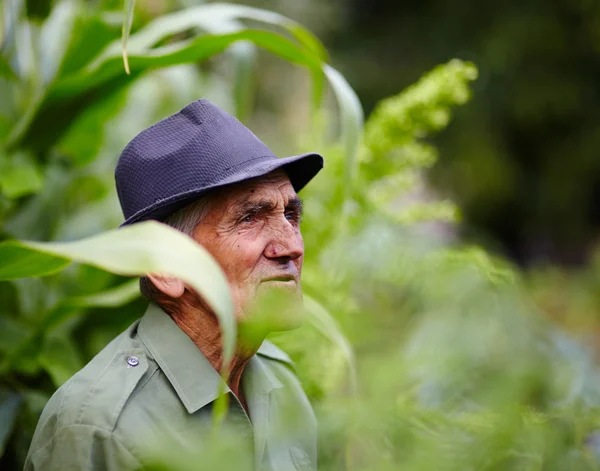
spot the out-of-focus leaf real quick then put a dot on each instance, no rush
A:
(114, 297)
(11, 13)
(12, 333)
(129, 5)
(38, 216)
(217, 13)
(19, 176)
(351, 121)
(6, 70)
(55, 37)
(108, 64)
(225, 18)
(244, 56)
(85, 136)
(326, 324)
(60, 358)
(67, 97)
(147, 247)
(10, 403)
(92, 34)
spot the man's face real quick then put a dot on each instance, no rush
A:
(253, 231)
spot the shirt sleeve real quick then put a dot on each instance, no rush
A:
(81, 448)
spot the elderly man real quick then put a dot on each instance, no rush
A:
(153, 389)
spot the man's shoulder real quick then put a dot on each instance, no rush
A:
(96, 394)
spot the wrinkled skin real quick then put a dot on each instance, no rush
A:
(253, 231)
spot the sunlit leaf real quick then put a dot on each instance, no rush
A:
(18, 261)
(147, 247)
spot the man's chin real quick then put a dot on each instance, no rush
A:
(275, 308)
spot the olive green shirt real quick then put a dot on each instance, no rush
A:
(147, 397)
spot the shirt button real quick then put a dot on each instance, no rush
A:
(133, 361)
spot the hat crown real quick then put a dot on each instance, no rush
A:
(198, 147)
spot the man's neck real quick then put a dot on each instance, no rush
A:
(202, 326)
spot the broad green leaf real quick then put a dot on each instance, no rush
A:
(223, 18)
(214, 17)
(18, 261)
(108, 64)
(147, 247)
(127, 21)
(10, 403)
(64, 100)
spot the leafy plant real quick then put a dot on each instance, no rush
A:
(418, 353)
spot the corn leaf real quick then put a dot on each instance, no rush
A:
(147, 247)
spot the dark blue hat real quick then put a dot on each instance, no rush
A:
(173, 162)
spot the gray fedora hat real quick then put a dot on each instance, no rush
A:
(180, 158)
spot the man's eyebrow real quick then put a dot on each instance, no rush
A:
(247, 207)
(295, 204)
(254, 207)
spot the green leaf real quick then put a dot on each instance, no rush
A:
(114, 297)
(216, 13)
(12, 334)
(108, 64)
(56, 36)
(351, 120)
(127, 21)
(244, 56)
(326, 324)
(10, 403)
(148, 247)
(18, 261)
(60, 358)
(6, 70)
(19, 176)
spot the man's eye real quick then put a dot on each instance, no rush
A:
(292, 216)
(248, 218)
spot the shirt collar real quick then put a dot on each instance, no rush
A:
(190, 373)
(268, 350)
(194, 379)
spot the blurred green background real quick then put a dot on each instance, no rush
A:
(455, 306)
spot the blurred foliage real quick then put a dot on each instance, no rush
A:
(521, 159)
(419, 352)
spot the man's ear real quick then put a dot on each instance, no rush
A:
(172, 287)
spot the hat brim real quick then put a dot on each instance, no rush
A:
(299, 168)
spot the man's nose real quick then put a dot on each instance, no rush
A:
(286, 243)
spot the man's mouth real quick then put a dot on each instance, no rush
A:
(287, 280)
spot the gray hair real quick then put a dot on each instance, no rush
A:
(185, 220)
